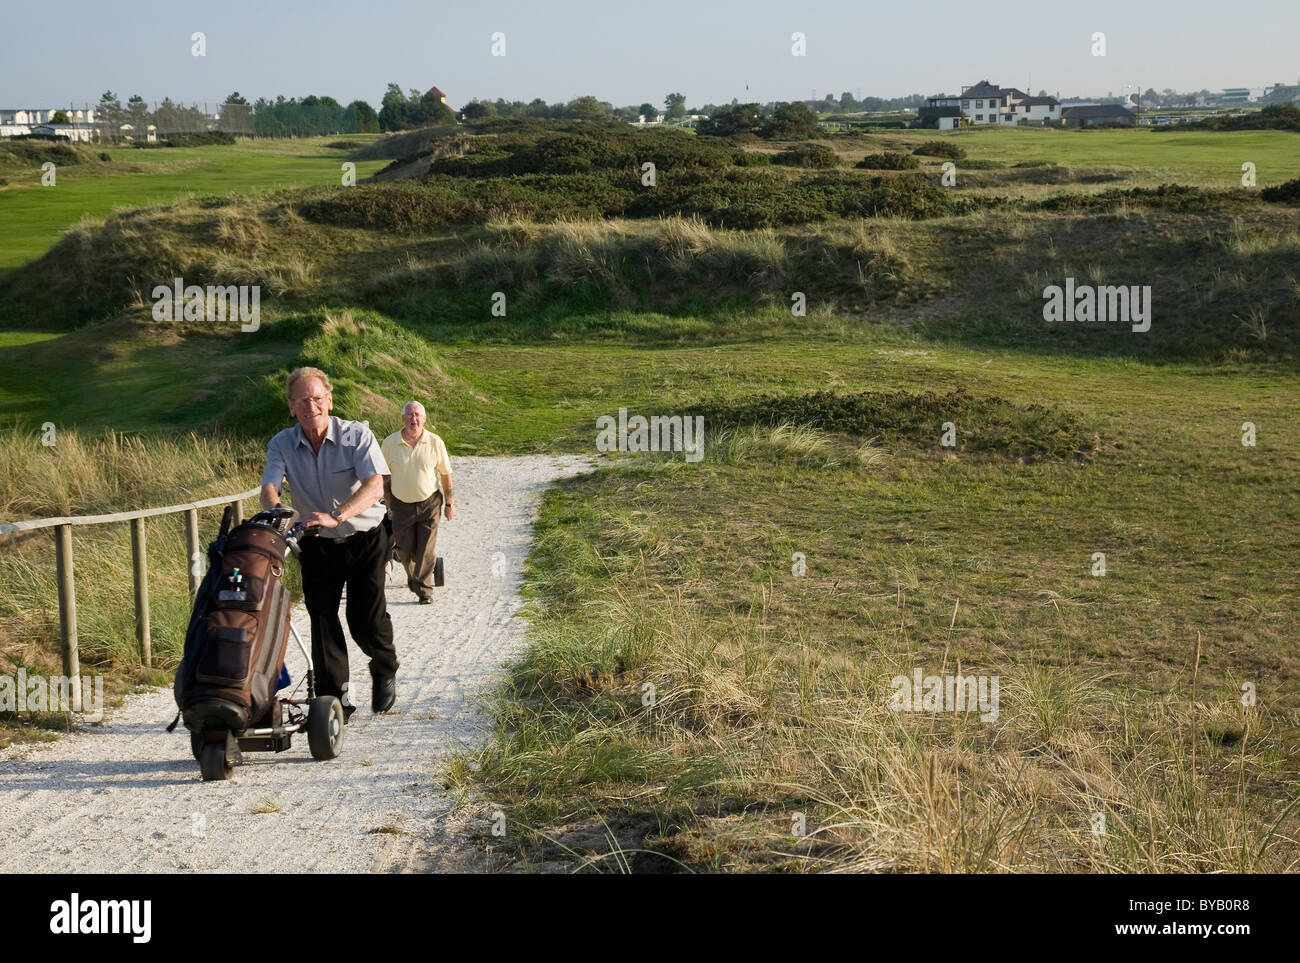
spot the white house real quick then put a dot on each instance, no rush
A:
(1037, 110)
(987, 104)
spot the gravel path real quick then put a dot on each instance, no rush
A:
(125, 797)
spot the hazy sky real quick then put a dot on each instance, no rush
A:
(628, 52)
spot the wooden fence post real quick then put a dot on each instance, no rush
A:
(192, 546)
(67, 610)
(239, 511)
(141, 592)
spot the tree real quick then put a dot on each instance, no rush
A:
(236, 115)
(647, 110)
(790, 122)
(360, 118)
(137, 115)
(393, 109)
(477, 111)
(60, 117)
(735, 119)
(167, 118)
(589, 108)
(676, 106)
(847, 104)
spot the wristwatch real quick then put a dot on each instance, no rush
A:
(336, 515)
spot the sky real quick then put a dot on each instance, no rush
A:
(628, 52)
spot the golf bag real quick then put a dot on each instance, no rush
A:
(238, 631)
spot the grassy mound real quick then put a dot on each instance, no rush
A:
(982, 424)
(725, 197)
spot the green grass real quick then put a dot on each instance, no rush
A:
(35, 216)
(772, 689)
(1207, 159)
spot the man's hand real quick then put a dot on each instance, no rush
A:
(449, 510)
(321, 519)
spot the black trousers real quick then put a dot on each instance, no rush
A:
(359, 562)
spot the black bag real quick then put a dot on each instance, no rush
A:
(238, 631)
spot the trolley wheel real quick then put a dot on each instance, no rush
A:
(437, 572)
(213, 763)
(325, 727)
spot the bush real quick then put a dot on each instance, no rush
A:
(1290, 191)
(104, 156)
(941, 148)
(1169, 197)
(888, 161)
(808, 155)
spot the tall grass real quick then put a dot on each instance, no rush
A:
(103, 474)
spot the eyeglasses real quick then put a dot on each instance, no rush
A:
(313, 400)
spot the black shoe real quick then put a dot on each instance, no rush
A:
(385, 694)
(347, 712)
(426, 599)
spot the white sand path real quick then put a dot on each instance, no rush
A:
(125, 796)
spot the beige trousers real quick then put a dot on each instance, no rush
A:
(415, 533)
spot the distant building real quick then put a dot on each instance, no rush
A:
(1281, 94)
(18, 122)
(62, 130)
(1037, 110)
(1093, 115)
(1235, 95)
(986, 104)
(938, 115)
(127, 132)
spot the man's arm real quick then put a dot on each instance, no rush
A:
(365, 496)
(270, 497)
(448, 509)
(272, 477)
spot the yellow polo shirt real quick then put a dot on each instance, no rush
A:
(416, 470)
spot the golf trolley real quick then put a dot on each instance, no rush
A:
(217, 741)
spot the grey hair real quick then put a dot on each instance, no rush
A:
(417, 405)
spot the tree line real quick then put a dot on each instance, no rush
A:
(311, 115)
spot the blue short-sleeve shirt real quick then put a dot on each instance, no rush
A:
(321, 482)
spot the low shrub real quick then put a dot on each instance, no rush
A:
(1290, 191)
(888, 161)
(808, 155)
(941, 148)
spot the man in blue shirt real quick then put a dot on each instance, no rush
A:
(336, 470)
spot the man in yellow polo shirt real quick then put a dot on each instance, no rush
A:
(416, 491)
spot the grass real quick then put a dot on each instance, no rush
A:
(93, 474)
(35, 216)
(771, 689)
